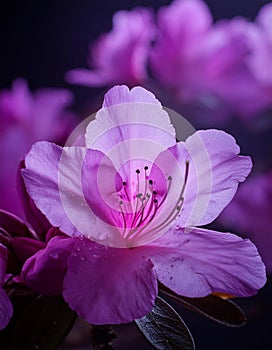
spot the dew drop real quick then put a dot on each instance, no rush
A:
(82, 258)
(78, 249)
(53, 256)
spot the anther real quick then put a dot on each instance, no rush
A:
(124, 183)
(137, 171)
(146, 167)
(154, 192)
(150, 182)
(169, 178)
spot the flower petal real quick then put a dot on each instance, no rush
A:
(33, 215)
(122, 94)
(120, 55)
(14, 226)
(6, 309)
(197, 263)
(3, 263)
(5, 303)
(252, 218)
(24, 247)
(109, 285)
(131, 124)
(41, 176)
(58, 173)
(215, 170)
(44, 272)
(182, 26)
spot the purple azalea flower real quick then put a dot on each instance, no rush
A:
(232, 54)
(182, 27)
(250, 215)
(129, 202)
(217, 67)
(25, 119)
(121, 55)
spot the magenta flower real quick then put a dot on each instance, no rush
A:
(218, 66)
(182, 27)
(25, 119)
(121, 55)
(129, 201)
(252, 217)
(232, 56)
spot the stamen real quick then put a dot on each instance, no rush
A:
(176, 210)
(147, 206)
(124, 217)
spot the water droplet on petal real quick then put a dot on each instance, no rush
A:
(78, 249)
(53, 256)
(82, 258)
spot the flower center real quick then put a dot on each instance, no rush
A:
(141, 204)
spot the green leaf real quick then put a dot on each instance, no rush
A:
(44, 325)
(165, 329)
(214, 307)
(21, 299)
(38, 322)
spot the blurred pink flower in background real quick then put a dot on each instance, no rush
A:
(215, 66)
(250, 214)
(222, 70)
(121, 55)
(28, 117)
(175, 57)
